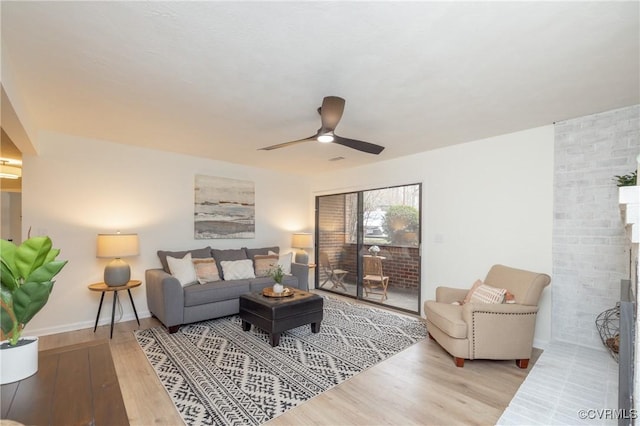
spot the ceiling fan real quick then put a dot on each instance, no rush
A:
(330, 114)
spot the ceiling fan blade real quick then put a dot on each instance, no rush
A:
(359, 145)
(331, 112)
(282, 145)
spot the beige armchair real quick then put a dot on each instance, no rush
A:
(484, 330)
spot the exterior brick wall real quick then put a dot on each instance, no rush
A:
(590, 246)
(401, 265)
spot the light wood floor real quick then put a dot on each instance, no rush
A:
(420, 385)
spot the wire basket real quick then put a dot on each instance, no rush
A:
(608, 325)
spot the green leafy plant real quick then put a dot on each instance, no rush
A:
(277, 273)
(399, 220)
(26, 276)
(626, 180)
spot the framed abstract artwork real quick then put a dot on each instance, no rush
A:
(224, 208)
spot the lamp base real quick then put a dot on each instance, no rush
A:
(302, 257)
(117, 273)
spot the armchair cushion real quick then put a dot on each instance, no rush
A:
(448, 318)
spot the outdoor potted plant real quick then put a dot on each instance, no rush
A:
(277, 274)
(627, 188)
(626, 180)
(26, 282)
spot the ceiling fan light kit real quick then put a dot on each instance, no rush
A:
(330, 115)
(326, 138)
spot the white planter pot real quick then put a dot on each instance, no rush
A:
(20, 361)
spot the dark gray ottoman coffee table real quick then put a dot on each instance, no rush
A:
(277, 314)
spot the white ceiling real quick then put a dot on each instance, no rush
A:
(222, 79)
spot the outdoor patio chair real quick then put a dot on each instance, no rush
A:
(374, 278)
(336, 276)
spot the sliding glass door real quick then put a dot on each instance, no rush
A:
(368, 245)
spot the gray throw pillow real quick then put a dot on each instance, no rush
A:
(251, 252)
(202, 253)
(228, 255)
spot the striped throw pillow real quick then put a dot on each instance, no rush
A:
(487, 294)
(263, 264)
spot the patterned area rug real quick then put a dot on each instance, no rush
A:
(218, 374)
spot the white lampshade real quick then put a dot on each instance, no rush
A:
(116, 246)
(302, 240)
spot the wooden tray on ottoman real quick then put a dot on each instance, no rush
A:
(277, 314)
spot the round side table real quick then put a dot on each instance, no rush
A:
(104, 288)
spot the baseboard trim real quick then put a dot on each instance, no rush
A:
(45, 331)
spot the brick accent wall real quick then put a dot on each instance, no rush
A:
(590, 247)
(401, 265)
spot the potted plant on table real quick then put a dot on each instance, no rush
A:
(26, 281)
(277, 274)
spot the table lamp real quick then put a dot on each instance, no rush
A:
(117, 246)
(302, 240)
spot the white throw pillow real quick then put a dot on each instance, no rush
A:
(182, 269)
(284, 261)
(237, 269)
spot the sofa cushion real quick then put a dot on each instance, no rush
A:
(260, 283)
(447, 317)
(229, 254)
(195, 254)
(215, 292)
(290, 281)
(252, 252)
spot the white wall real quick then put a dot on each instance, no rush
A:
(76, 188)
(488, 201)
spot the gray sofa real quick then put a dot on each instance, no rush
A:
(175, 305)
